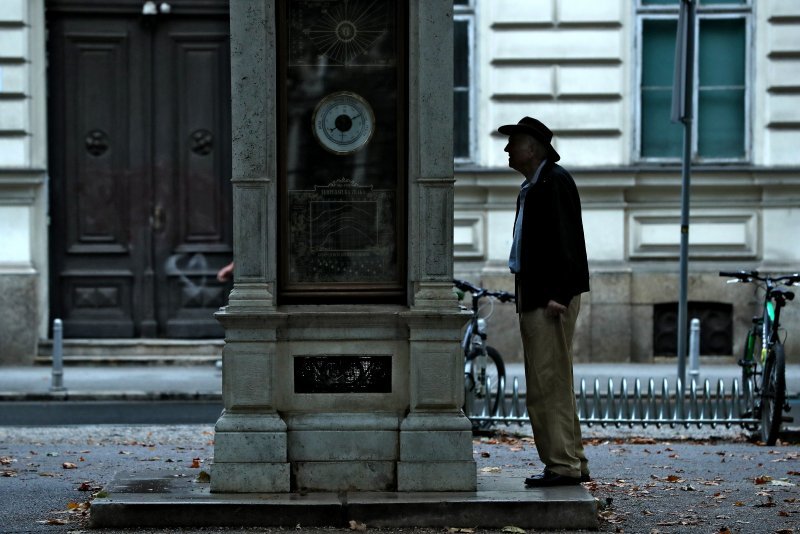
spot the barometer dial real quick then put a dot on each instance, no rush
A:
(343, 122)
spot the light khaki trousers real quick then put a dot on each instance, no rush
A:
(547, 342)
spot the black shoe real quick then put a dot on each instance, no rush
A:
(549, 478)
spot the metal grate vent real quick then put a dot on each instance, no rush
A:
(716, 328)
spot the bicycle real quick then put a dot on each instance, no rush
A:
(484, 369)
(764, 361)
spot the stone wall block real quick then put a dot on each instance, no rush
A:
(435, 382)
(437, 476)
(344, 476)
(433, 446)
(597, 11)
(582, 339)
(641, 333)
(18, 319)
(611, 333)
(13, 11)
(247, 376)
(342, 445)
(610, 288)
(516, 12)
(244, 447)
(250, 478)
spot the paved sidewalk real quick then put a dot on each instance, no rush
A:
(205, 381)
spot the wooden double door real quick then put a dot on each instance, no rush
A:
(139, 149)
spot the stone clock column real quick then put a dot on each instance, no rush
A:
(250, 449)
(435, 437)
(342, 367)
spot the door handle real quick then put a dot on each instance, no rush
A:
(157, 220)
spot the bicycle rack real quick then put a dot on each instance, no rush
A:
(673, 405)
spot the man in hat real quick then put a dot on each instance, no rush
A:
(548, 259)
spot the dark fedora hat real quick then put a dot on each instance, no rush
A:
(535, 128)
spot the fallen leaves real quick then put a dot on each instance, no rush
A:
(196, 463)
(88, 486)
(7, 461)
(73, 509)
(69, 465)
(355, 525)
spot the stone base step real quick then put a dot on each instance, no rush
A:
(170, 499)
(133, 351)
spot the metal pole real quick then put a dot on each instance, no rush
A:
(57, 383)
(682, 109)
(683, 297)
(694, 348)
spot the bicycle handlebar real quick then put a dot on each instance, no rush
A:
(749, 276)
(502, 296)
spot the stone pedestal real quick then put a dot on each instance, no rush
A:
(288, 424)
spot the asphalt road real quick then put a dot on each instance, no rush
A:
(665, 485)
(105, 412)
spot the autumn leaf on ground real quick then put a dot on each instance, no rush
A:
(69, 465)
(195, 463)
(490, 470)
(203, 477)
(355, 525)
(80, 508)
(7, 460)
(769, 503)
(8, 473)
(461, 530)
(610, 516)
(513, 530)
(763, 479)
(53, 522)
(785, 531)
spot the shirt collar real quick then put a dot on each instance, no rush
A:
(527, 183)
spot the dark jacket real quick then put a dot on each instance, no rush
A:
(553, 262)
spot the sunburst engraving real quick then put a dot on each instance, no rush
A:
(347, 30)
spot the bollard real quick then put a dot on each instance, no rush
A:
(694, 347)
(57, 383)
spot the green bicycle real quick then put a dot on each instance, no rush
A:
(764, 361)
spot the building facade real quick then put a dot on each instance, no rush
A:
(598, 72)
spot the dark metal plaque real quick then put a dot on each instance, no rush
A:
(343, 374)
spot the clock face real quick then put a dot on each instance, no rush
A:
(343, 122)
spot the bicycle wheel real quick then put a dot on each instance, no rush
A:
(749, 383)
(495, 372)
(773, 394)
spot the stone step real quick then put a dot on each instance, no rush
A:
(133, 351)
(170, 499)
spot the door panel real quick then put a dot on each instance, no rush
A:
(140, 167)
(192, 149)
(91, 146)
